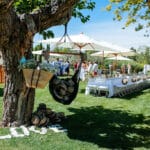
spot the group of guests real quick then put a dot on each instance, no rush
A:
(62, 67)
(87, 68)
(124, 69)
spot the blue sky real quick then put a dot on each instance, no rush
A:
(101, 27)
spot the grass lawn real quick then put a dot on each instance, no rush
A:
(93, 123)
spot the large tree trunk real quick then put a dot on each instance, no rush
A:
(18, 99)
(16, 35)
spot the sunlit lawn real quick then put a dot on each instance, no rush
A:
(93, 123)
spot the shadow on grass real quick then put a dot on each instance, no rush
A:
(108, 128)
(1, 92)
(135, 94)
(82, 91)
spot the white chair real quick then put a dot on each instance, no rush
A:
(91, 87)
(102, 86)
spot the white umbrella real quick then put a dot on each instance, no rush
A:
(105, 54)
(119, 58)
(114, 53)
(78, 41)
(128, 53)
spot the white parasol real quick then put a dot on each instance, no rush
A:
(78, 42)
(105, 54)
(119, 58)
(114, 53)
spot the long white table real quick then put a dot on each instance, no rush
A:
(116, 86)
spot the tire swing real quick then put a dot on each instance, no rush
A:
(64, 90)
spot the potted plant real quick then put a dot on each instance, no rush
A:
(37, 75)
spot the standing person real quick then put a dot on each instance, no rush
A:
(95, 69)
(123, 69)
(45, 54)
(90, 64)
(129, 68)
(82, 72)
(114, 67)
(110, 69)
(67, 67)
(75, 66)
(57, 64)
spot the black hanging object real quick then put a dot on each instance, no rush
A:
(64, 90)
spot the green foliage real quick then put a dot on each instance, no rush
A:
(83, 5)
(135, 10)
(26, 6)
(47, 34)
(136, 67)
(48, 47)
(38, 47)
(144, 56)
(147, 55)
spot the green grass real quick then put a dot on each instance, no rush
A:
(93, 123)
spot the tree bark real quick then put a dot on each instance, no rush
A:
(16, 37)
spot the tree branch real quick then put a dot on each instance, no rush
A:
(57, 12)
(5, 4)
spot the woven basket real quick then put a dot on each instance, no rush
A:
(36, 78)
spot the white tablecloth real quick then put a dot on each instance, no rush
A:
(115, 85)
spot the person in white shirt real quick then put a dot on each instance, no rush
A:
(82, 72)
(95, 69)
(129, 69)
(90, 64)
